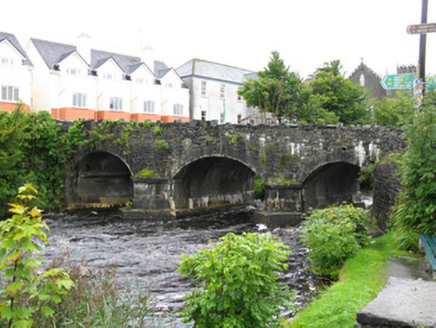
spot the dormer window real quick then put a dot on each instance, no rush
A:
(169, 85)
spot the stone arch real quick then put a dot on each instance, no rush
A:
(103, 179)
(331, 183)
(213, 181)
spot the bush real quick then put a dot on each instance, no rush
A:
(333, 235)
(236, 282)
(417, 205)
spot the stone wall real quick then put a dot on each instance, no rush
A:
(386, 188)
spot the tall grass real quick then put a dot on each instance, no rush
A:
(361, 278)
(98, 301)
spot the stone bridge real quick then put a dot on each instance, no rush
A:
(178, 169)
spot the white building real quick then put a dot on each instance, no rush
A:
(16, 71)
(79, 82)
(214, 91)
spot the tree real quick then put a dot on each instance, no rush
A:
(276, 90)
(236, 282)
(340, 96)
(393, 111)
(310, 108)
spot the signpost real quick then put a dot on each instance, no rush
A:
(398, 81)
(421, 28)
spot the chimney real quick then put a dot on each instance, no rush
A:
(84, 47)
(147, 57)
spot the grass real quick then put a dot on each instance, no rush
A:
(98, 301)
(360, 280)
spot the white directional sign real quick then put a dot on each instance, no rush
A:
(421, 28)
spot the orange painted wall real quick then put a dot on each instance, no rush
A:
(174, 118)
(10, 107)
(113, 115)
(73, 113)
(144, 117)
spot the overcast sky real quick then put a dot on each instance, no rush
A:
(240, 33)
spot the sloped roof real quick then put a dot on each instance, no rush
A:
(52, 52)
(13, 40)
(98, 57)
(160, 69)
(206, 69)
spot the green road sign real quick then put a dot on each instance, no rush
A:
(398, 81)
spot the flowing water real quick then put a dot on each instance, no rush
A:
(146, 253)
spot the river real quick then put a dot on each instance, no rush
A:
(146, 253)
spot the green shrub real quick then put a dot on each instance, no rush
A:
(333, 235)
(236, 282)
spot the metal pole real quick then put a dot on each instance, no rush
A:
(422, 45)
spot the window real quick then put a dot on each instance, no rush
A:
(362, 80)
(10, 93)
(73, 71)
(203, 115)
(169, 85)
(116, 103)
(222, 91)
(203, 88)
(79, 100)
(178, 109)
(109, 76)
(141, 80)
(7, 61)
(148, 106)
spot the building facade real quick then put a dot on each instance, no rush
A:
(214, 91)
(79, 82)
(16, 72)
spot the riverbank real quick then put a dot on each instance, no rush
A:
(362, 278)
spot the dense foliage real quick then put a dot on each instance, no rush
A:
(333, 235)
(33, 150)
(236, 282)
(27, 294)
(393, 111)
(417, 203)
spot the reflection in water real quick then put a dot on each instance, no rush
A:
(146, 253)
